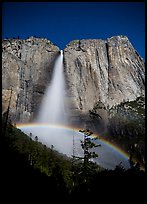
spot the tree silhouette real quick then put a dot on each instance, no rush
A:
(36, 138)
(7, 113)
(84, 167)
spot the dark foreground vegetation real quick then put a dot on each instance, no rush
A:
(30, 170)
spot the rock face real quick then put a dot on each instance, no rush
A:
(26, 67)
(103, 71)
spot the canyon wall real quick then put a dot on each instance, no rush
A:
(102, 73)
(27, 69)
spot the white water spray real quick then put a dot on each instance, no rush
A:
(52, 107)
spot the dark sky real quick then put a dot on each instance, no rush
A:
(67, 21)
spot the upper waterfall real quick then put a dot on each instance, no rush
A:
(52, 107)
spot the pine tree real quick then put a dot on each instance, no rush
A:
(84, 167)
(87, 144)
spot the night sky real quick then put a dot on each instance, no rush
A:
(67, 21)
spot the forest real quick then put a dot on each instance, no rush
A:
(29, 167)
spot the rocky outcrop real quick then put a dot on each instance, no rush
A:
(26, 68)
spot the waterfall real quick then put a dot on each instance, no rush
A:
(52, 107)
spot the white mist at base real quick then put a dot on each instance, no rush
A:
(60, 138)
(52, 107)
(64, 140)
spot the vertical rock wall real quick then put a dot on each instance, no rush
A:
(99, 74)
(105, 72)
(27, 68)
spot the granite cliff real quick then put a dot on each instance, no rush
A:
(27, 68)
(105, 81)
(103, 73)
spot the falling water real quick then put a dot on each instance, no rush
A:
(52, 107)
